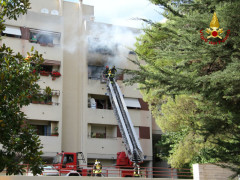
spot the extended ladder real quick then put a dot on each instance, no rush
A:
(132, 145)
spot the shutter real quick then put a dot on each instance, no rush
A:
(12, 30)
(144, 105)
(25, 33)
(144, 132)
(118, 132)
(132, 102)
(120, 77)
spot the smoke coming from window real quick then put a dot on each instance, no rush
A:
(109, 45)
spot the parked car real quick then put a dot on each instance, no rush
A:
(47, 171)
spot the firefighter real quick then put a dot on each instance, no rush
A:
(97, 168)
(136, 170)
(106, 71)
(110, 76)
(113, 70)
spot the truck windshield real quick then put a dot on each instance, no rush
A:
(57, 159)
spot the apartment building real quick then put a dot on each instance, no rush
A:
(78, 49)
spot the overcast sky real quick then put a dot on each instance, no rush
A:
(122, 12)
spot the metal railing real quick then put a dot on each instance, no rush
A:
(114, 171)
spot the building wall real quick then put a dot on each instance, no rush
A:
(50, 114)
(75, 79)
(210, 171)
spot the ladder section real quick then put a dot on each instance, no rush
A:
(132, 145)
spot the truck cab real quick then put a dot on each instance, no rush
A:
(69, 161)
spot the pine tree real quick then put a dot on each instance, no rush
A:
(178, 61)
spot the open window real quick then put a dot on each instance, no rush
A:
(12, 31)
(99, 102)
(102, 131)
(95, 72)
(49, 67)
(44, 128)
(44, 38)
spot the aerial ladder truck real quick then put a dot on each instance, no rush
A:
(132, 145)
(134, 154)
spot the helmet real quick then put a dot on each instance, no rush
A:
(96, 161)
(106, 66)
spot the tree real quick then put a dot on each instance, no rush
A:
(181, 64)
(20, 143)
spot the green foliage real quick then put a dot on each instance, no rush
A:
(192, 86)
(20, 144)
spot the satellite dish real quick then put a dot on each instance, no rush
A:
(54, 12)
(44, 10)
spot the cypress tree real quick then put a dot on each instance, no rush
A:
(181, 63)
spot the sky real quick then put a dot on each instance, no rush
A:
(122, 12)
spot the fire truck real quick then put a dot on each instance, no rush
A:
(133, 155)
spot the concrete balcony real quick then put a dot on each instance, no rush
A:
(24, 46)
(43, 112)
(38, 20)
(47, 81)
(101, 116)
(51, 144)
(106, 116)
(109, 147)
(96, 87)
(105, 147)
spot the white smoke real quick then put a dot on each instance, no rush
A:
(115, 42)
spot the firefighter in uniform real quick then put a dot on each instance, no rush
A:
(106, 72)
(110, 76)
(136, 170)
(97, 168)
(113, 71)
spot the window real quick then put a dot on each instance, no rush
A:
(98, 131)
(44, 128)
(45, 38)
(68, 158)
(95, 72)
(46, 68)
(99, 102)
(102, 131)
(12, 31)
(132, 103)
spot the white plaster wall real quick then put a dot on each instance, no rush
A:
(37, 20)
(24, 46)
(210, 172)
(43, 112)
(51, 144)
